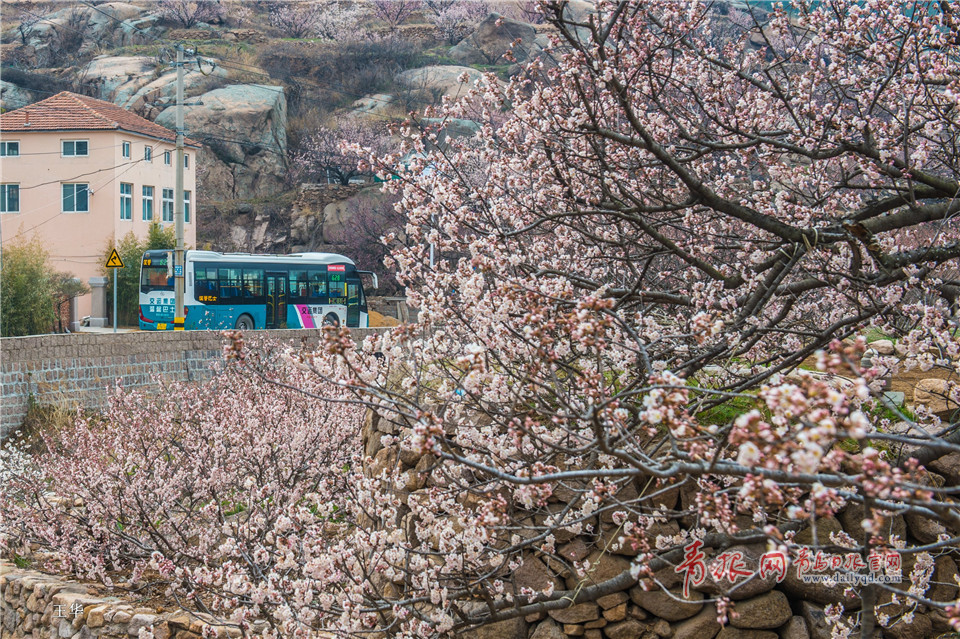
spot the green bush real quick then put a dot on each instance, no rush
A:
(30, 290)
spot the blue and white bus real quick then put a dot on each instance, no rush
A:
(247, 291)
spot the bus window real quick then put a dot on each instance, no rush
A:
(206, 286)
(231, 285)
(318, 287)
(299, 286)
(156, 273)
(338, 287)
(253, 286)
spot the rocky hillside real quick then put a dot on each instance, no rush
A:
(272, 87)
(258, 88)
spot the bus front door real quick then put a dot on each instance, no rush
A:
(353, 304)
(276, 300)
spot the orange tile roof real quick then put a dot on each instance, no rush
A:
(68, 111)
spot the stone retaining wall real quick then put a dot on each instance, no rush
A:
(79, 368)
(765, 608)
(40, 606)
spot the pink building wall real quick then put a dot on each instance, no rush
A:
(77, 242)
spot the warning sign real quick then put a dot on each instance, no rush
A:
(114, 260)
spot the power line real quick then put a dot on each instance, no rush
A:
(77, 177)
(59, 213)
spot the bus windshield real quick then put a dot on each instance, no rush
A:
(156, 272)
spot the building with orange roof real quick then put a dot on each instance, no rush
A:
(80, 173)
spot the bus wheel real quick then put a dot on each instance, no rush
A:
(331, 320)
(245, 323)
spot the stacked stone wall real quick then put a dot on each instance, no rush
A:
(764, 608)
(41, 606)
(79, 369)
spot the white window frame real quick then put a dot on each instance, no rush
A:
(166, 158)
(5, 146)
(125, 149)
(5, 197)
(74, 154)
(166, 205)
(63, 200)
(186, 207)
(126, 198)
(186, 160)
(147, 153)
(145, 199)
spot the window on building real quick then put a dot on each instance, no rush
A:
(75, 197)
(126, 201)
(148, 153)
(125, 149)
(167, 203)
(75, 148)
(9, 149)
(166, 158)
(148, 204)
(186, 161)
(9, 198)
(186, 206)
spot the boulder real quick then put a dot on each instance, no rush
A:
(883, 346)
(548, 629)
(746, 587)
(852, 516)
(579, 613)
(13, 96)
(949, 467)
(817, 625)
(493, 37)
(617, 613)
(943, 583)
(439, 80)
(628, 629)
(702, 626)
(920, 627)
(534, 574)
(825, 526)
(816, 591)
(935, 395)
(612, 601)
(377, 104)
(137, 83)
(924, 529)
(509, 629)
(670, 605)
(796, 628)
(244, 128)
(769, 610)
(602, 567)
(77, 30)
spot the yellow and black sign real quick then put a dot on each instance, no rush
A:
(114, 260)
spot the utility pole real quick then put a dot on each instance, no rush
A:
(179, 267)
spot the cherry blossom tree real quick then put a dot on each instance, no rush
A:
(198, 485)
(323, 157)
(187, 13)
(394, 12)
(667, 225)
(453, 19)
(329, 20)
(618, 280)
